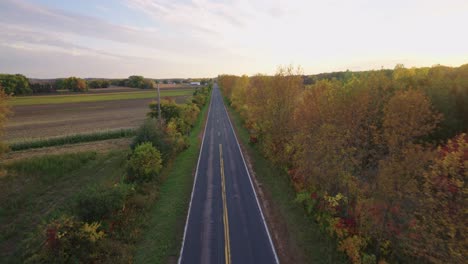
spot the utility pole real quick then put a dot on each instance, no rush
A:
(159, 102)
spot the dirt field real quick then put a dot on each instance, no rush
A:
(44, 121)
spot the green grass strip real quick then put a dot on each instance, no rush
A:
(165, 227)
(311, 244)
(73, 139)
(81, 98)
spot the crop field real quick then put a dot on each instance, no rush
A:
(76, 114)
(96, 97)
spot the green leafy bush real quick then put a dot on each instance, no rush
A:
(145, 163)
(98, 202)
(153, 131)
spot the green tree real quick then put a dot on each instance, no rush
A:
(75, 84)
(105, 84)
(60, 84)
(136, 81)
(95, 84)
(15, 84)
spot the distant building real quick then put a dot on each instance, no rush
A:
(195, 83)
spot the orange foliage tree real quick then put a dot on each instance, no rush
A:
(361, 154)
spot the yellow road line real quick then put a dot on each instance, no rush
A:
(227, 245)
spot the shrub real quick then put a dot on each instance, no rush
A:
(67, 240)
(153, 131)
(179, 142)
(96, 203)
(145, 163)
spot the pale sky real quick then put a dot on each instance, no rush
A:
(204, 38)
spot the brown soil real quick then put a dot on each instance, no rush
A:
(44, 121)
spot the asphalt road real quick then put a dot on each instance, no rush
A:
(225, 223)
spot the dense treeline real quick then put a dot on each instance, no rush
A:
(377, 158)
(135, 81)
(17, 84)
(99, 84)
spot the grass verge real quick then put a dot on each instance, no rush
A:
(300, 235)
(165, 223)
(73, 139)
(80, 98)
(37, 189)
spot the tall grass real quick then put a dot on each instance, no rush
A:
(38, 189)
(73, 139)
(51, 165)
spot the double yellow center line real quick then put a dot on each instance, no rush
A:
(227, 245)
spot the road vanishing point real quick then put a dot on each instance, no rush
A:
(225, 223)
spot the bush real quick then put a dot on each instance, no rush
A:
(67, 240)
(145, 163)
(152, 131)
(97, 202)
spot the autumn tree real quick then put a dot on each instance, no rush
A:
(440, 223)
(360, 151)
(75, 84)
(272, 102)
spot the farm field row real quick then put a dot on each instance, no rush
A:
(96, 97)
(31, 122)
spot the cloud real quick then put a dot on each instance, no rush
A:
(63, 24)
(197, 37)
(197, 16)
